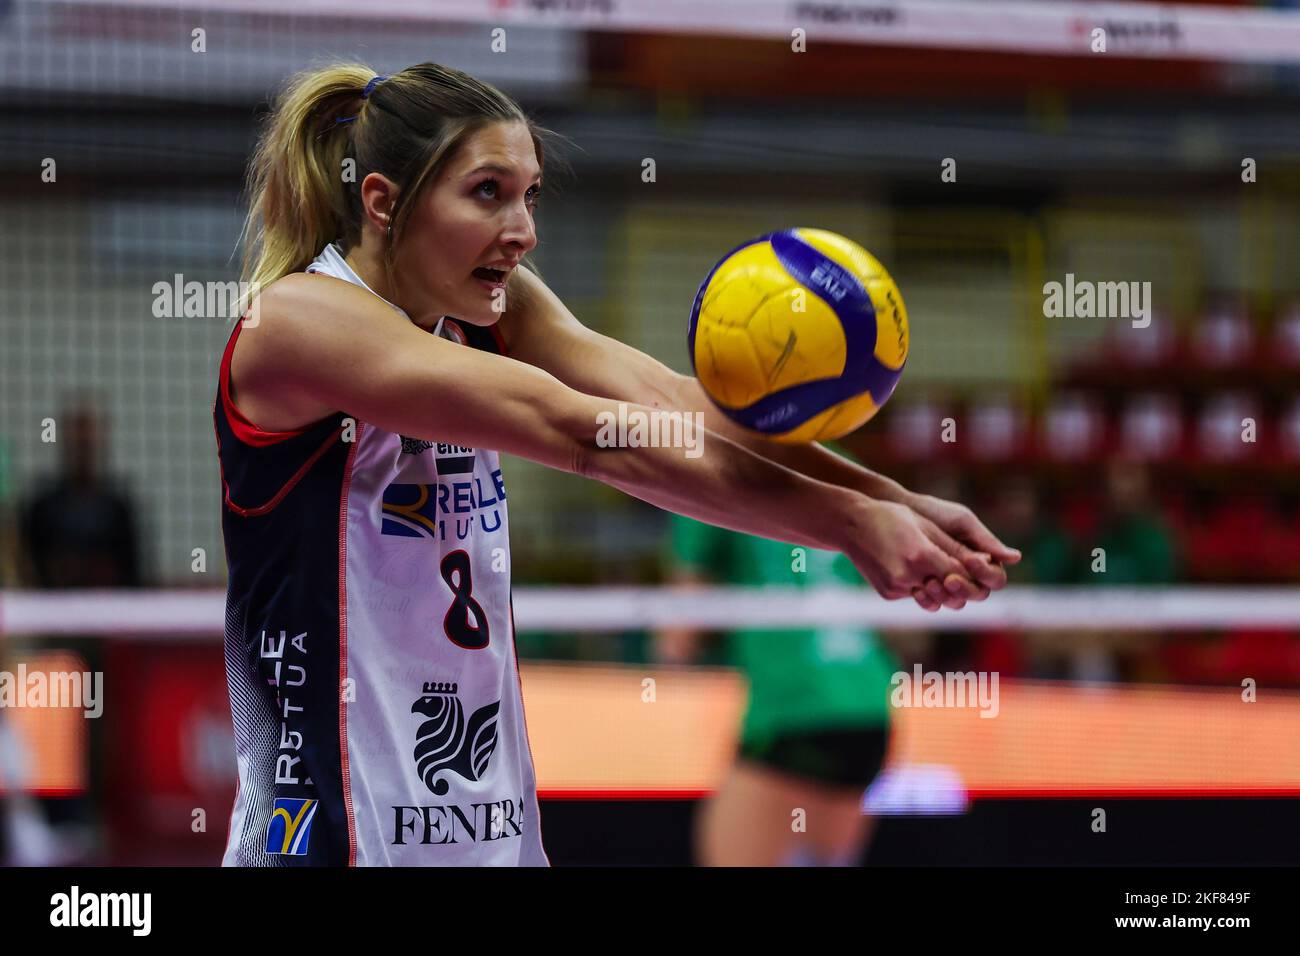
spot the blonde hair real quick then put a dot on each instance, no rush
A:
(407, 128)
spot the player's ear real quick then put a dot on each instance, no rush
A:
(378, 200)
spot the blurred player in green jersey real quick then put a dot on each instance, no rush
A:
(817, 726)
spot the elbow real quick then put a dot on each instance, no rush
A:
(581, 458)
(575, 431)
(592, 449)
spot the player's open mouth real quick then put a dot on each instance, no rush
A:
(492, 278)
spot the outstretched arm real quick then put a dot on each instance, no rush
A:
(325, 345)
(541, 331)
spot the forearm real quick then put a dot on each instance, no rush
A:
(811, 459)
(542, 332)
(726, 485)
(803, 494)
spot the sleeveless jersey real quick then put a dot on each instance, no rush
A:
(370, 650)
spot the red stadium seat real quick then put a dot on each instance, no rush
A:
(1223, 338)
(916, 430)
(1285, 341)
(1220, 434)
(1245, 539)
(1271, 657)
(997, 430)
(1072, 429)
(1151, 427)
(1288, 432)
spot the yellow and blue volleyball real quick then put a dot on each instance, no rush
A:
(800, 335)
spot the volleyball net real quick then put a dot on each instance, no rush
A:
(961, 732)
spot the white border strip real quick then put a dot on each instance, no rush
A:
(199, 614)
(1154, 30)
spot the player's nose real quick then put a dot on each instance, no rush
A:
(520, 231)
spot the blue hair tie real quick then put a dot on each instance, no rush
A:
(365, 94)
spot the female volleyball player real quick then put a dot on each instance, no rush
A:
(369, 632)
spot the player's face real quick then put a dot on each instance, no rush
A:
(474, 224)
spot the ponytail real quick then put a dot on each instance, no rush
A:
(297, 197)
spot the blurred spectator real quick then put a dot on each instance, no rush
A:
(1139, 549)
(1016, 514)
(1138, 543)
(76, 531)
(79, 531)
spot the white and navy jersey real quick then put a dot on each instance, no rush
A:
(370, 649)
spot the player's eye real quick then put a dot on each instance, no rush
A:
(491, 189)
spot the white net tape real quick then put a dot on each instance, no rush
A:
(199, 614)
